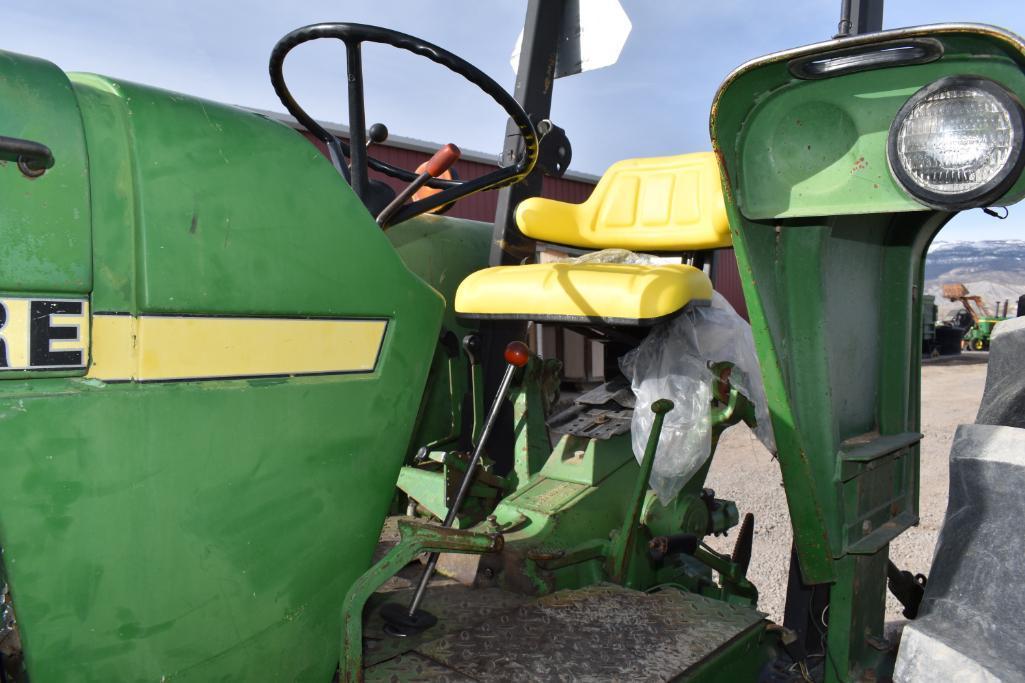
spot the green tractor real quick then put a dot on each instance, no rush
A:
(978, 335)
(974, 317)
(228, 362)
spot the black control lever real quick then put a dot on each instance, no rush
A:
(403, 621)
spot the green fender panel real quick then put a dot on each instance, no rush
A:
(197, 530)
(443, 251)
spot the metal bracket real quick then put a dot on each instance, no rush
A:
(414, 538)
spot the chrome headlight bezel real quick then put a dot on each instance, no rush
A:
(984, 194)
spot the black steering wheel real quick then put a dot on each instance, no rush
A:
(354, 35)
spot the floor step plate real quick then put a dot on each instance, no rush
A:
(600, 633)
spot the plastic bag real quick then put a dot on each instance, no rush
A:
(672, 362)
(620, 256)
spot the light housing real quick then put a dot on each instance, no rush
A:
(958, 143)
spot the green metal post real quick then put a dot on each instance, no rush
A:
(623, 545)
(533, 444)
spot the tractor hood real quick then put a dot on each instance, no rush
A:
(214, 364)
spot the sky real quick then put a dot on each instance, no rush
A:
(654, 101)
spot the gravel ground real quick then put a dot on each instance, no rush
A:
(743, 471)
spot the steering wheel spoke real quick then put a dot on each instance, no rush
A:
(357, 119)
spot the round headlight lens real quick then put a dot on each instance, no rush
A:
(957, 142)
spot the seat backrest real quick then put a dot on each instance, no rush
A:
(654, 204)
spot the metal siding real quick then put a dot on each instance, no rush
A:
(727, 280)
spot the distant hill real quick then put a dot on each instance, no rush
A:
(992, 269)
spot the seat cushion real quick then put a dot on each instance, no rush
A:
(608, 293)
(655, 204)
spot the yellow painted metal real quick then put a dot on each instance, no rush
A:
(655, 204)
(154, 348)
(612, 292)
(114, 347)
(15, 332)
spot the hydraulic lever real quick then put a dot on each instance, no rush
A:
(438, 164)
(405, 621)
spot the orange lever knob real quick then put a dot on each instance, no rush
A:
(442, 160)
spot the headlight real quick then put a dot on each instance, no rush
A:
(957, 143)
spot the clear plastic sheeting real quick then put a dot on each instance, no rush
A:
(673, 362)
(622, 256)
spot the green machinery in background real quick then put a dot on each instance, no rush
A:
(974, 317)
(978, 335)
(220, 352)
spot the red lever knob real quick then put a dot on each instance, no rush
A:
(442, 160)
(517, 353)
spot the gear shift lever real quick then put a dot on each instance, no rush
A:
(405, 621)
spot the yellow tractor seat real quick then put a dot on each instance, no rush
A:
(658, 204)
(668, 204)
(606, 293)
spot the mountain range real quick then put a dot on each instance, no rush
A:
(992, 269)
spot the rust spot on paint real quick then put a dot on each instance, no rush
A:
(728, 184)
